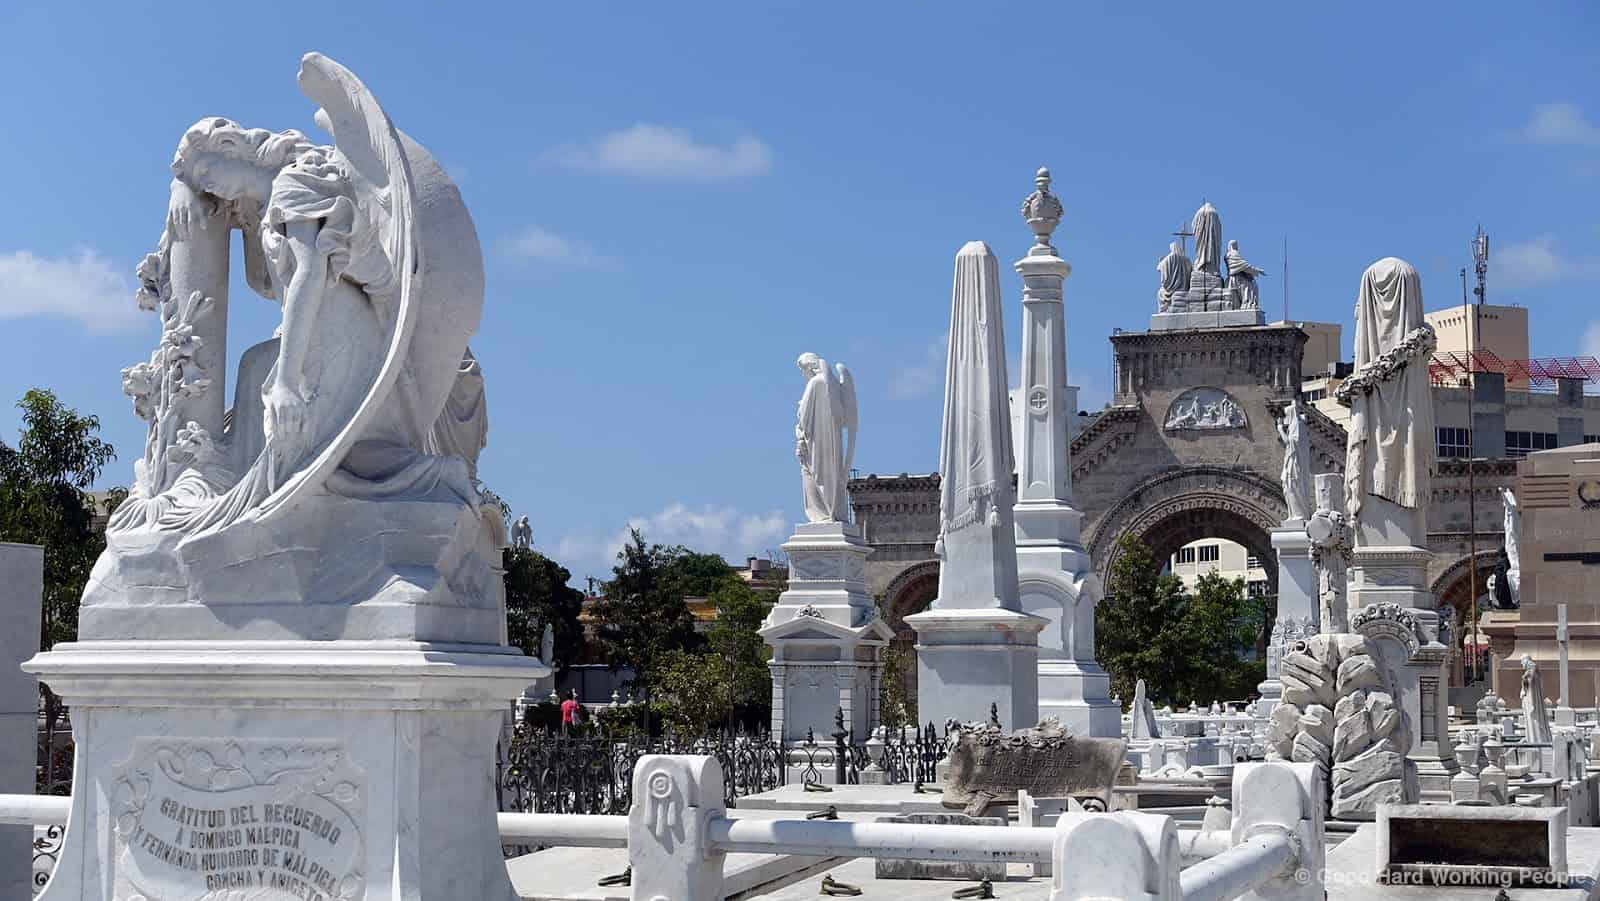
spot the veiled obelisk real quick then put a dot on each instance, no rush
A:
(975, 646)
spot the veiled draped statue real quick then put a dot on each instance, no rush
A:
(1390, 452)
(1174, 270)
(1207, 228)
(827, 412)
(1296, 475)
(359, 421)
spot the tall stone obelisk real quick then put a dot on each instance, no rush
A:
(975, 645)
(1055, 580)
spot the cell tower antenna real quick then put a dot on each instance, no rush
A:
(1480, 261)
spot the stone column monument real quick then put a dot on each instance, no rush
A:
(827, 640)
(290, 671)
(1055, 579)
(975, 645)
(1297, 577)
(1389, 461)
(21, 603)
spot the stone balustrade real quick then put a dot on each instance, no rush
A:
(677, 835)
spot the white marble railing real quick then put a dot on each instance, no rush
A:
(678, 834)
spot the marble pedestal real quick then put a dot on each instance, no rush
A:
(1056, 582)
(826, 636)
(332, 769)
(1298, 611)
(1397, 614)
(969, 658)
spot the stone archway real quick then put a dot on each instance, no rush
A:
(1175, 507)
(909, 592)
(1455, 589)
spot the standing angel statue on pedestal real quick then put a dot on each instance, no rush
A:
(1512, 512)
(1296, 474)
(827, 412)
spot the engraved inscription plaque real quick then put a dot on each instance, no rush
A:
(264, 819)
(988, 766)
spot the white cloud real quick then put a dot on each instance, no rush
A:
(85, 287)
(725, 530)
(658, 151)
(1560, 123)
(1540, 261)
(923, 374)
(1591, 340)
(539, 245)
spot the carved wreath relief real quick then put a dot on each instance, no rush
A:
(236, 819)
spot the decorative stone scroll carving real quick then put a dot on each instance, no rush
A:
(1339, 710)
(989, 765)
(1389, 621)
(1205, 408)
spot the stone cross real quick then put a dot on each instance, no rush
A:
(1183, 235)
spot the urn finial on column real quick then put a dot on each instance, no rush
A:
(1043, 212)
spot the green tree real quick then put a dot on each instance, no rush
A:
(641, 614)
(1186, 646)
(43, 500)
(729, 679)
(537, 593)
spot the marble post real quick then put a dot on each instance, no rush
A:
(975, 645)
(22, 575)
(826, 636)
(1298, 609)
(1055, 579)
(1564, 714)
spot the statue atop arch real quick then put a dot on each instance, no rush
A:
(345, 470)
(1215, 283)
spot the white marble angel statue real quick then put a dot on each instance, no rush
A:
(827, 412)
(1535, 715)
(1296, 475)
(1242, 278)
(1512, 512)
(362, 417)
(522, 534)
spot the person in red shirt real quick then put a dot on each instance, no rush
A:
(571, 710)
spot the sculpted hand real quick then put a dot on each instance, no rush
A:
(285, 413)
(185, 211)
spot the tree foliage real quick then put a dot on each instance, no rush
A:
(728, 681)
(641, 614)
(43, 500)
(1187, 646)
(537, 593)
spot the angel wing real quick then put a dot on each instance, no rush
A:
(366, 137)
(847, 395)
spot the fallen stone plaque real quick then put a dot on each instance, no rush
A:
(988, 766)
(971, 871)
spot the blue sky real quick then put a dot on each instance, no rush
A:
(675, 200)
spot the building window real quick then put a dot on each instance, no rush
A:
(1210, 553)
(1252, 562)
(1184, 555)
(1520, 444)
(1454, 442)
(1314, 395)
(1256, 589)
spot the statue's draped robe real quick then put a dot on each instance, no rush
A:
(1296, 478)
(1174, 269)
(462, 429)
(1390, 452)
(1207, 228)
(1242, 276)
(975, 456)
(1535, 715)
(822, 472)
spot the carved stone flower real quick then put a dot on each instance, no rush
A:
(139, 383)
(151, 273)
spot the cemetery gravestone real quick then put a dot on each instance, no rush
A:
(988, 766)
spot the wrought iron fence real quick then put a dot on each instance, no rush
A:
(543, 771)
